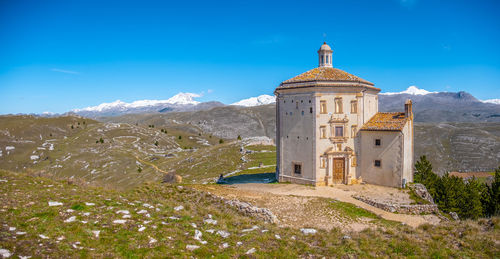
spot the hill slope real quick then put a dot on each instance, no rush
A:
(156, 220)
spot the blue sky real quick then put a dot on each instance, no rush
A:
(60, 55)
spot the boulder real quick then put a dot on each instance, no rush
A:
(421, 191)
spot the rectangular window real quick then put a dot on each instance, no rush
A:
(322, 107)
(353, 163)
(354, 107)
(323, 162)
(339, 131)
(322, 131)
(378, 163)
(354, 131)
(377, 142)
(297, 168)
(296, 105)
(338, 105)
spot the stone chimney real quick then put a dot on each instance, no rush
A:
(408, 109)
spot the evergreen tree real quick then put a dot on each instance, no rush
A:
(239, 137)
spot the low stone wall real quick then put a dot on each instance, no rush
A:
(401, 208)
(248, 209)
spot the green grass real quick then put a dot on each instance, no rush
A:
(351, 211)
(24, 206)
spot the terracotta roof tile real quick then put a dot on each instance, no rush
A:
(390, 121)
(325, 74)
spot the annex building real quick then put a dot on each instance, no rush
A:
(329, 130)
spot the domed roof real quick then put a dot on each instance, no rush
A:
(325, 47)
(326, 74)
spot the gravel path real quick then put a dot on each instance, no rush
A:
(343, 193)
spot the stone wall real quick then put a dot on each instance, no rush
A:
(248, 209)
(401, 208)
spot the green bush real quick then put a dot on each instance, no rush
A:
(469, 198)
(221, 141)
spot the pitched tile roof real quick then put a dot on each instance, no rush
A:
(389, 121)
(325, 74)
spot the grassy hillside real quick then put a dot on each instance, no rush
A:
(116, 154)
(149, 222)
(463, 147)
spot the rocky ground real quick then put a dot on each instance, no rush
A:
(324, 207)
(40, 217)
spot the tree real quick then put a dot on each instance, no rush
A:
(101, 140)
(156, 143)
(72, 127)
(239, 137)
(425, 175)
(180, 137)
(221, 141)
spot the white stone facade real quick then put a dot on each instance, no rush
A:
(321, 134)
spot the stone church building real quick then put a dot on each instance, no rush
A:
(329, 130)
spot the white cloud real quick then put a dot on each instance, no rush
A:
(65, 71)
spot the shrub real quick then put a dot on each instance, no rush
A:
(221, 141)
(139, 169)
(239, 137)
(156, 143)
(101, 140)
(180, 137)
(469, 198)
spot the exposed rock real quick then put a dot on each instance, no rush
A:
(251, 251)
(401, 208)
(250, 210)
(192, 247)
(421, 191)
(171, 177)
(223, 233)
(55, 203)
(454, 216)
(307, 231)
(70, 219)
(5, 253)
(180, 207)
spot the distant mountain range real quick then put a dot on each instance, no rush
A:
(428, 106)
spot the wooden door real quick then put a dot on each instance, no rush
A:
(338, 170)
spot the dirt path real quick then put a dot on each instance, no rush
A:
(150, 164)
(341, 194)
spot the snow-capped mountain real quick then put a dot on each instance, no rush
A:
(180, 98)
(256, 101)
(413, 90)
(493, 101)
(178, 102)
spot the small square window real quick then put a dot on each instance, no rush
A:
(377, 142)
(378, 163)
(297, 168)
